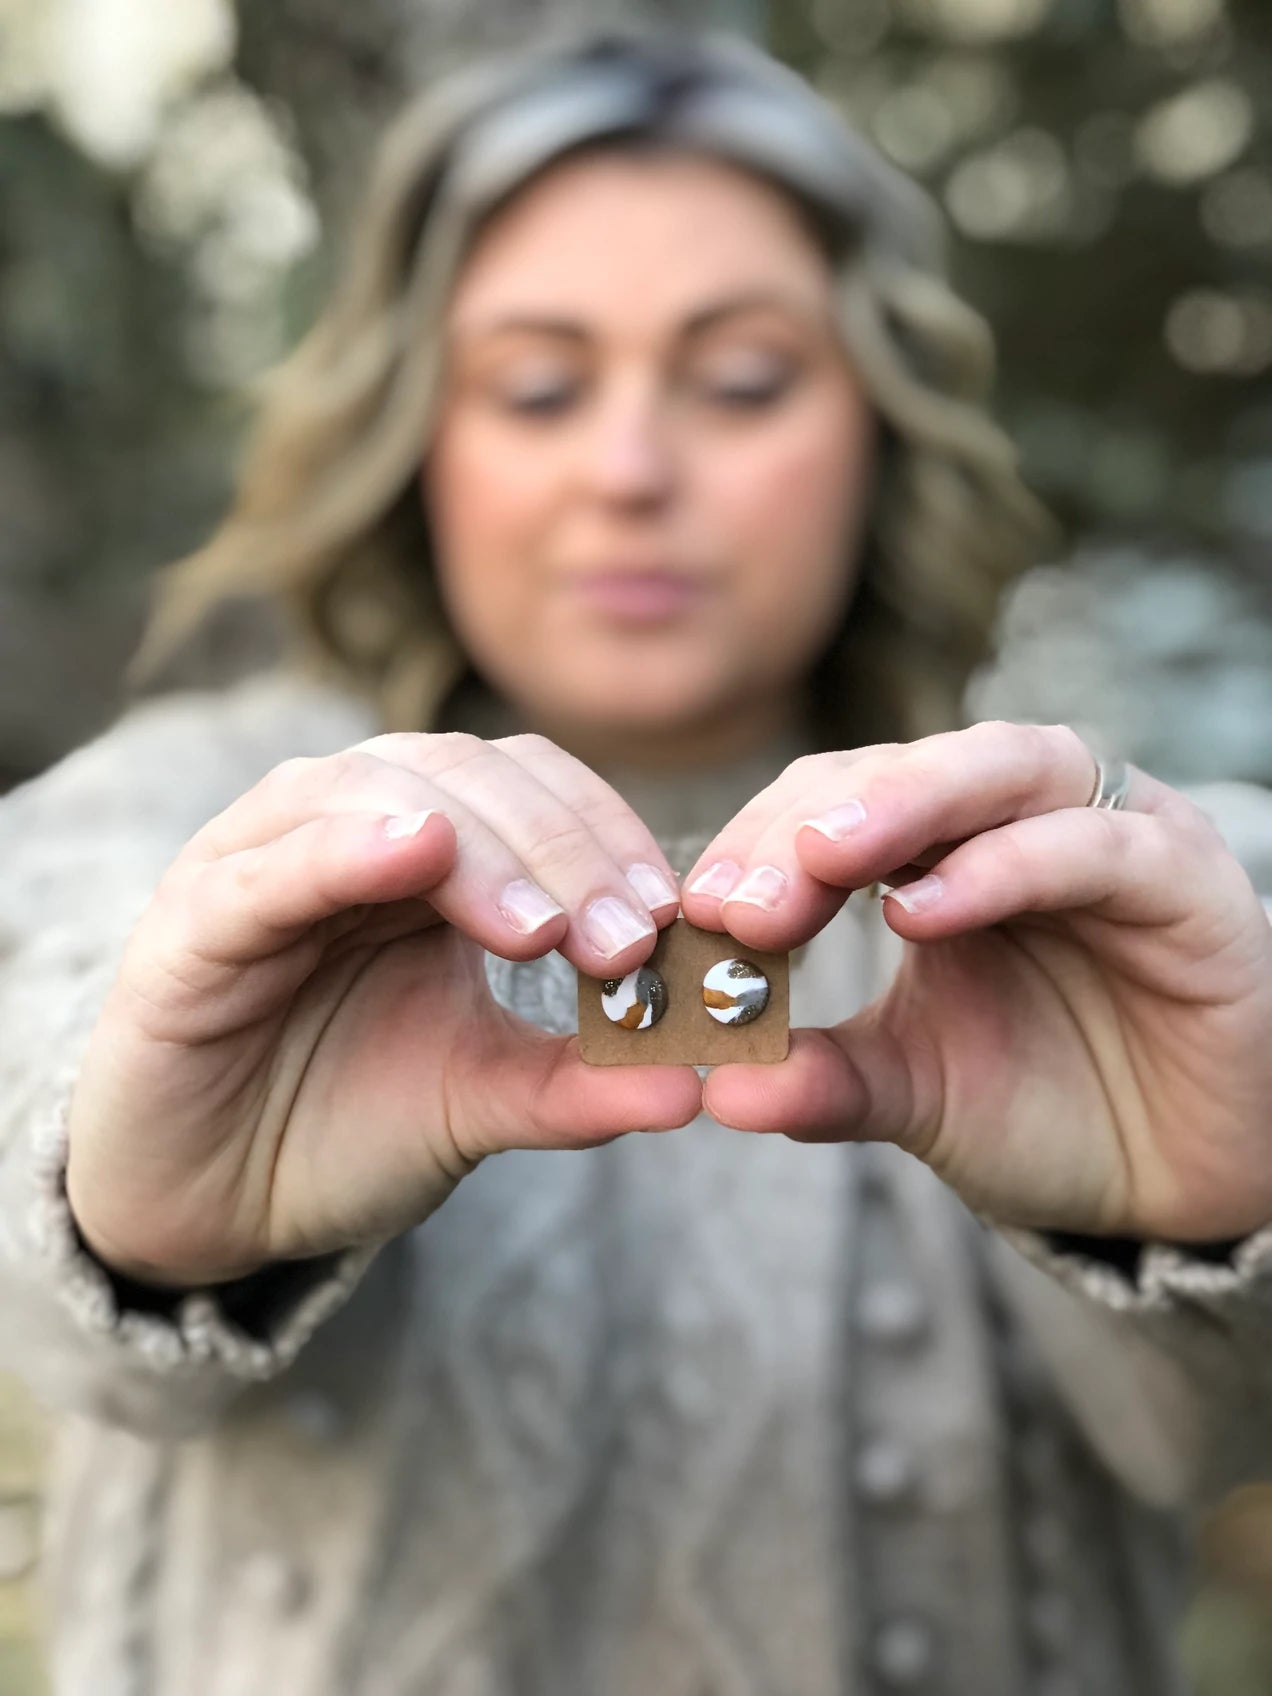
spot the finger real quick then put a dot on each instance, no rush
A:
(488, 892)
(547, 1096)
(850, 1083)
(310, 786)
(848, 824)
(582, 904)
(629, 841)
(188, 960)
(914, 805)
(1134, 869)
(609, 921)
(538, 769)
(734, 879)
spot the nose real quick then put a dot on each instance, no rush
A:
(629, 456)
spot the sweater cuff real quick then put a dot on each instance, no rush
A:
(1150, 1275)
(1126, 1253)
(254, 1326)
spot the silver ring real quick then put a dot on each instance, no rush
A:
(1112, 784)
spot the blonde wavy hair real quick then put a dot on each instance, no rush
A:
(328, 523)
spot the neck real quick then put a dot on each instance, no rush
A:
(743, 731)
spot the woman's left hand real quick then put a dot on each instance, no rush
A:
(1079, 1035)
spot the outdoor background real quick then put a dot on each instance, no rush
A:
(172, 177)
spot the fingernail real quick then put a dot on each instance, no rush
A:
(612, 925)
(763, 887)
(914, 897)
(526, 906)
(839, 821)
(718, 879)
(407, 824)
(651, 885)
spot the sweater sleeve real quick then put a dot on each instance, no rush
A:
(1163, 1350)
(82, 848)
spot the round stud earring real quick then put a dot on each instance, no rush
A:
(735, 992)
(636, 1001)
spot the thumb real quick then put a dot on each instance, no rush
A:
(850, 1083)
(544, 1095)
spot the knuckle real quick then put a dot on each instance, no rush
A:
(562, 839)
(174, 885)
(992, 730)
(527, 743)
(1114, 837)
(164, 978)
(349, 768)
(303, 778)
(1046, 748)
(1011, 864)
(292, 772)
(387, 743)
(245, 874)
(1068, 748)
(1124, 841)
(200, 899)
(1177, 837)
(1163, 847)
(918, 769)
(1197, 826)
(1043, 756)
(868, 763)
(453, 748)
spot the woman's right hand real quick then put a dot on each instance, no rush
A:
(300, 1051)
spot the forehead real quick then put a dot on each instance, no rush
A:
(609, 237)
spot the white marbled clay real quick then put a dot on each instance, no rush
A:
(636, 1001)
(735, 992)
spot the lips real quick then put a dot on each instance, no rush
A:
(638, 597)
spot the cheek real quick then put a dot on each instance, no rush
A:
(794, 501)
(475, 516)
(485, 529)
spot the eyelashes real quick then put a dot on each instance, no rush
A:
(733, 992)
(548, 400)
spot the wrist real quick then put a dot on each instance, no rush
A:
(162, 1279)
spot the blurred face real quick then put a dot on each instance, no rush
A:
(652, 457)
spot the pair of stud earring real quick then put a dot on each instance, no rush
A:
(733, 991)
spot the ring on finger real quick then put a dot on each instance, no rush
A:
(1112, 783)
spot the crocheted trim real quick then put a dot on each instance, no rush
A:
(1167, 1272)
(199, 1329)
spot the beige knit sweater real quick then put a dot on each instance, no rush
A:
(689, 1414)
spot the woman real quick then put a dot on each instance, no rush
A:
(638, 346)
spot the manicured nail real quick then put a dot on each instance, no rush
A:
(839, 821)
(612, 925)
(763, 887)
(651, 885)
(407, 824)
(915, 897)
(526, 906)
(718, 879)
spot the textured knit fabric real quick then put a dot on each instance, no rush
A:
(697, 1412)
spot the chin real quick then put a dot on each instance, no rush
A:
(636, 704)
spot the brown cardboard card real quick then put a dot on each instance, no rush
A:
(687, 1034)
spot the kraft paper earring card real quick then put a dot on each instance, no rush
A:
(701, 999)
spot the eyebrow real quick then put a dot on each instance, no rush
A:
(694, 324)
